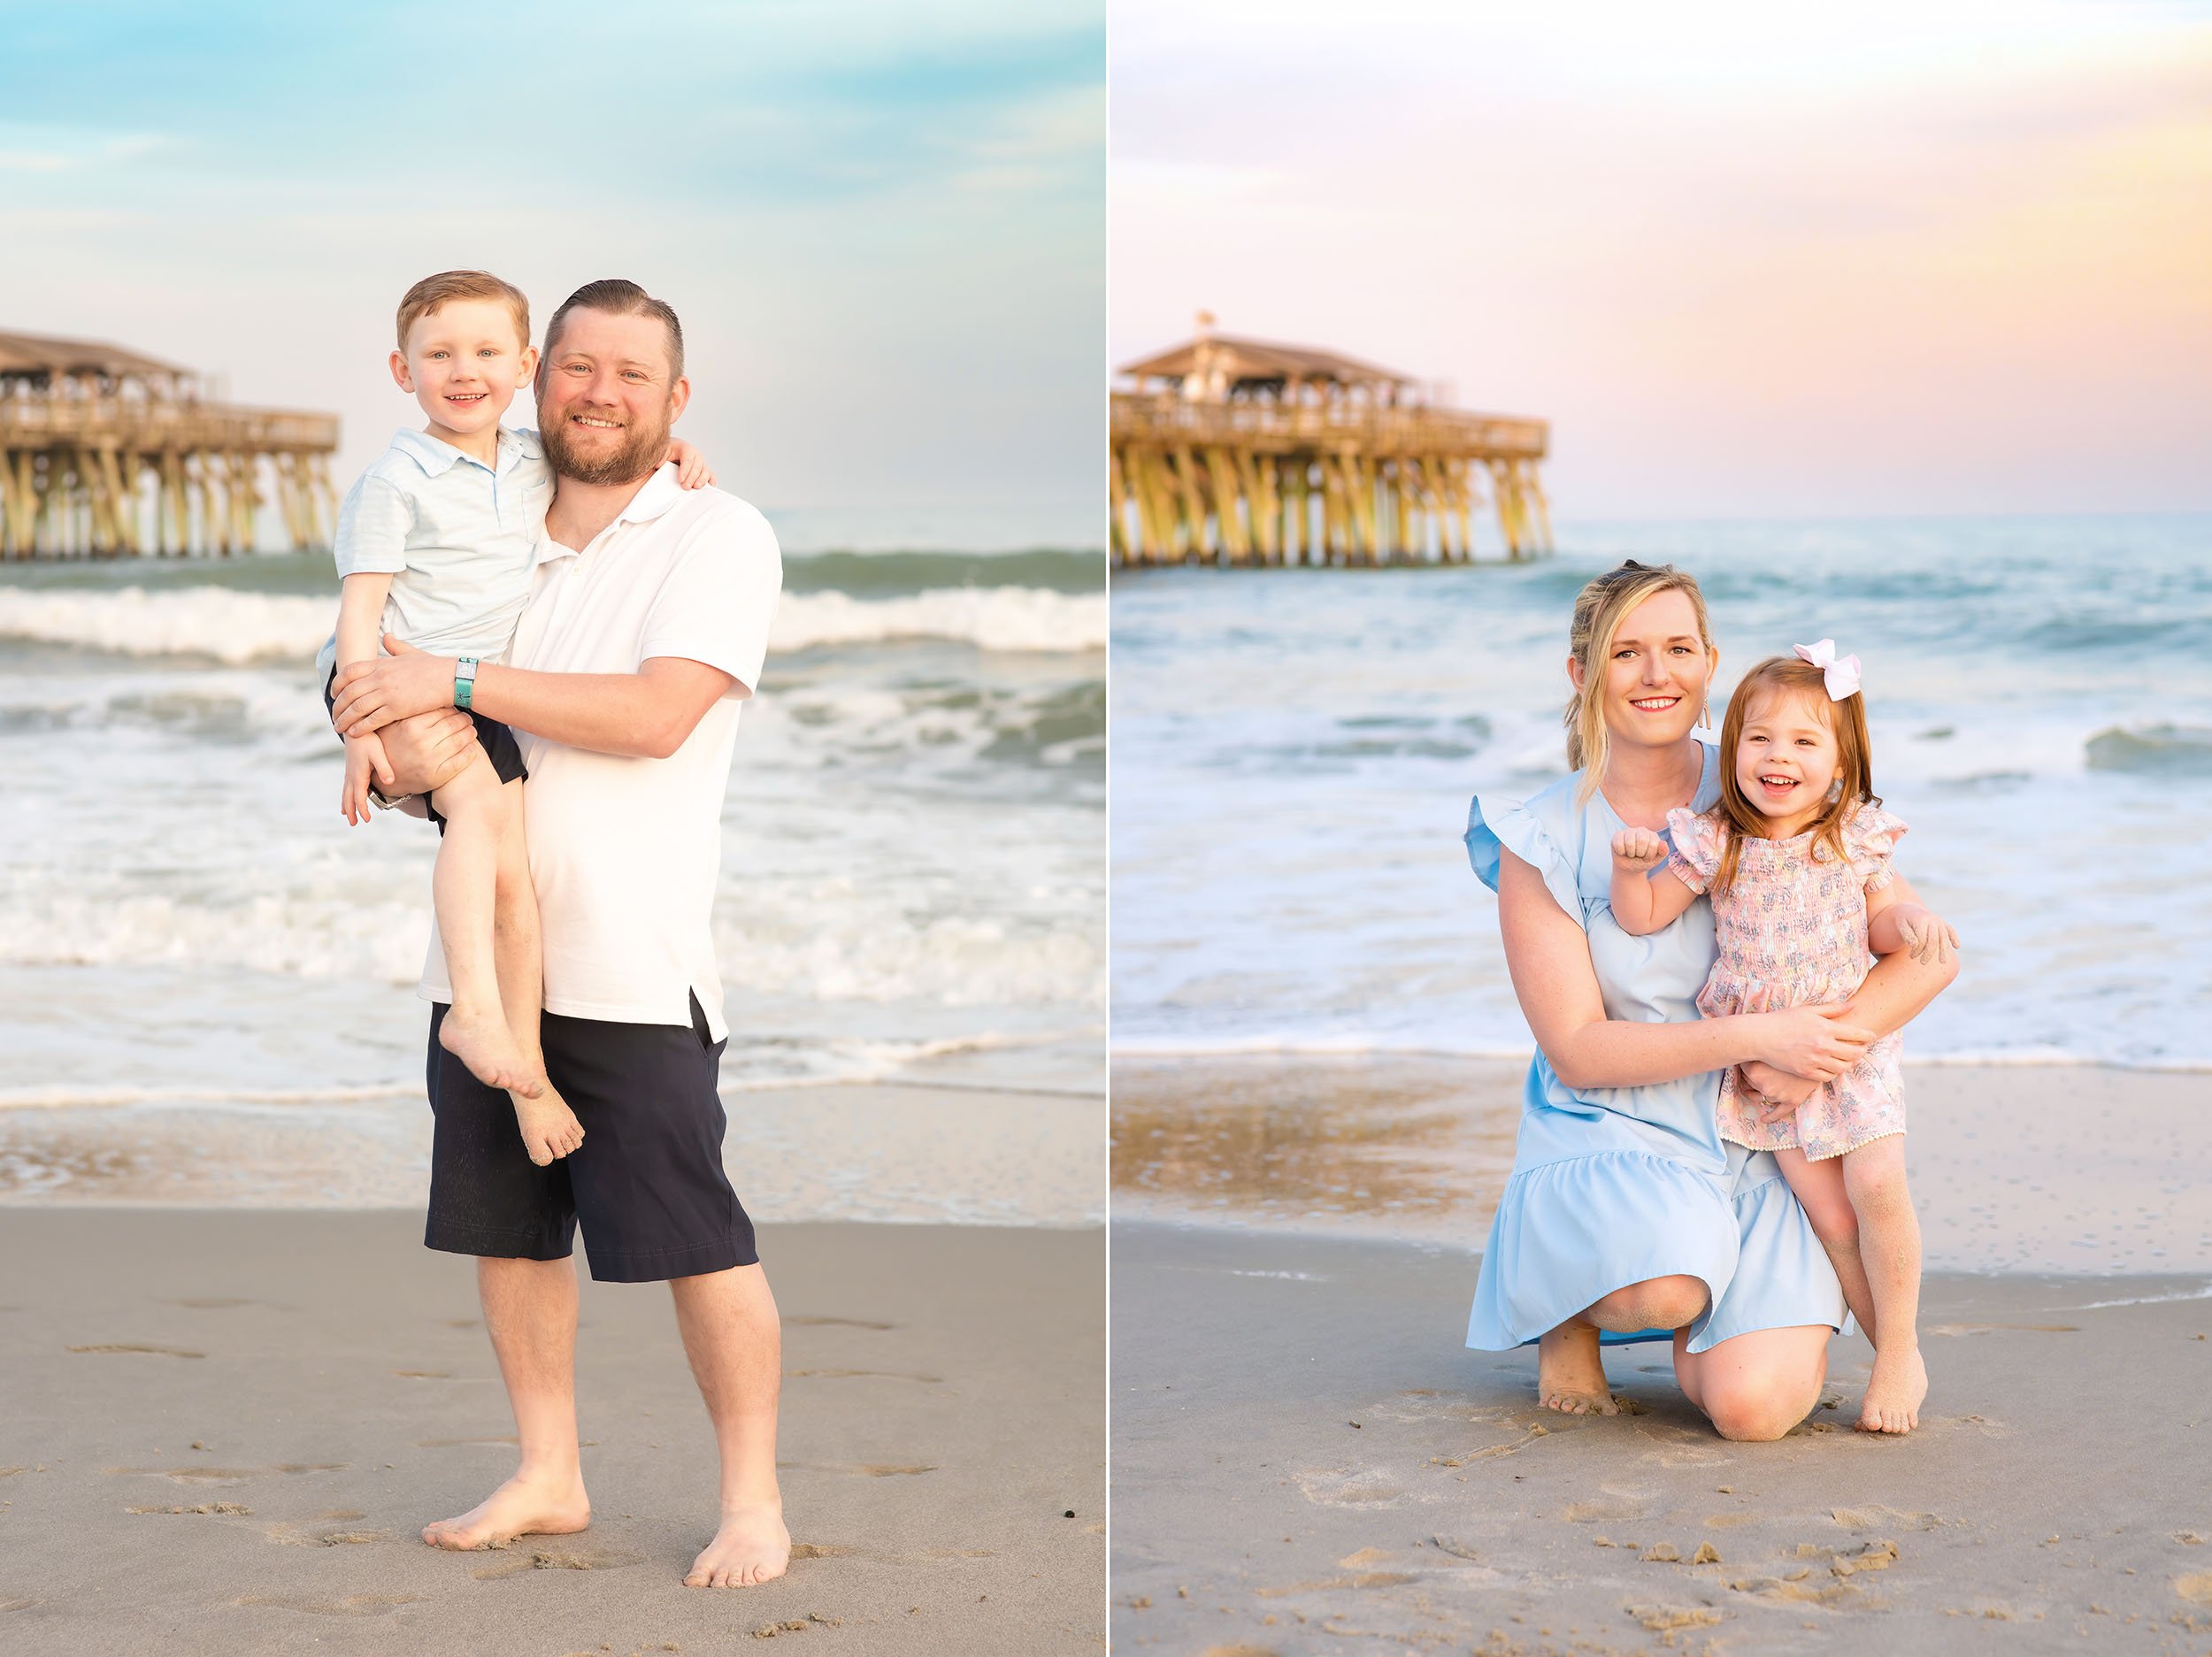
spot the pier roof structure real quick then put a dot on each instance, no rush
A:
(1234, 452)
(106, 450)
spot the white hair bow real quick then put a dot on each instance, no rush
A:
(1841, 677)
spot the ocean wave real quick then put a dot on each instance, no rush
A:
(238, 628)
(808, 943)
(1289, 1044)
(2165, 750)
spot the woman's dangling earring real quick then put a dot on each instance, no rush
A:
(1705, 719)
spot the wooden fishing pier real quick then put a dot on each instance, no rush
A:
(1244, 452)
(105, 452)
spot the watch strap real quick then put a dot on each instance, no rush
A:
(464, 682)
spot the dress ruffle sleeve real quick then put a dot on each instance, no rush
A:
(1511, 827)
(1869, 839)
(1696, 855)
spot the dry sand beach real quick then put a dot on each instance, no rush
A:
(219, 1432)
(228, 1405)
(1306, 1459)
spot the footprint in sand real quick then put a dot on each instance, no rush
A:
(1360, 1487)
(838, 1550)
(352, 1605)
(222, 1474)
(133, 1346)
(2195, 1588)
(865, 1470)
(291, 1535)
(561, 1559)
(799, 1321)
(840, 1375)
(205, 1506)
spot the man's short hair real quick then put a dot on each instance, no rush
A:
(434, 292)
(620, 298)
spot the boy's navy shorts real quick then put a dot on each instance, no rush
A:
(646, 1182)
(497, 741)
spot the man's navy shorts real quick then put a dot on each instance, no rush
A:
(646, 1182)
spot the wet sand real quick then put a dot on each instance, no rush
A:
(1306, 1459)
(221, 1431)
(2069, 1168)
(886, 1150)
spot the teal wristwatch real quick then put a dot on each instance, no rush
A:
(464, 682)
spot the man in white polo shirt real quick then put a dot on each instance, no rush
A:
(644, 634)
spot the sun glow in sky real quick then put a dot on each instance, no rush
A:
(883, 224)
(1748, 259)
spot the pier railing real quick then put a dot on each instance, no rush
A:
(1367, 429)
(1339, 482)
(151, 424)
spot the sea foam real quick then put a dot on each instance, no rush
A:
(238, 627)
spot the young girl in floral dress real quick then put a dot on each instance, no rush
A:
(1796, 857)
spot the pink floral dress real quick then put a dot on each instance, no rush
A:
(1792, 932)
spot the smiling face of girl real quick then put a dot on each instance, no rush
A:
(1788, 758)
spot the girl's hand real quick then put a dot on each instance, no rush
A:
(1928, 937)
(1638, 849)
(1818, 1042)
(692, 470)
(1779, 1094)
(364, 757)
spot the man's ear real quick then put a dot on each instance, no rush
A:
(678, 395)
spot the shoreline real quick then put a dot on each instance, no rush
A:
(2072, 1170)
(935, 1152)
(224, 1430)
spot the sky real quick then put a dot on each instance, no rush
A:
(1750, 260)
(883, 224)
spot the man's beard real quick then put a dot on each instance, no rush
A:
(642, 450)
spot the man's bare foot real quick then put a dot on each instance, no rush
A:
(487, 1047)
(1894, 1395)
(1570, 1376)
(519, 1508)
(751, 1548)
(549, 1128)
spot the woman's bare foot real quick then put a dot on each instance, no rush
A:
(549, 1128)
(1894, 1395)
(751, 1548)
(1570, 1376)
(520, 1506)
(487, 1046)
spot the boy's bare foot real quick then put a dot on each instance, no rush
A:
(1894, 1395)
(519, 1508)
(1570, 1376)
(549, 1128)
(751, 1548)
(487, 1047)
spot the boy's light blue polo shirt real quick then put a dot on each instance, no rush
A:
(457, 537)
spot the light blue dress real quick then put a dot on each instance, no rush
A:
(1611, 1185)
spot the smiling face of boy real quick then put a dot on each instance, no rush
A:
(463, 363)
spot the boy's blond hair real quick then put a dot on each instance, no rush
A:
(433, 293)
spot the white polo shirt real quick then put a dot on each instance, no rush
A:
(625, 851)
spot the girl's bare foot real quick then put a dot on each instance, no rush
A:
(520, 1506)
(1570, 1376)
(487, 1047)
(549, 1128)
(751, 1548)
(1894, 1395)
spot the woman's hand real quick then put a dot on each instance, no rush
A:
(1638, 849)
(1777, 1093)
(1818, 1042)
